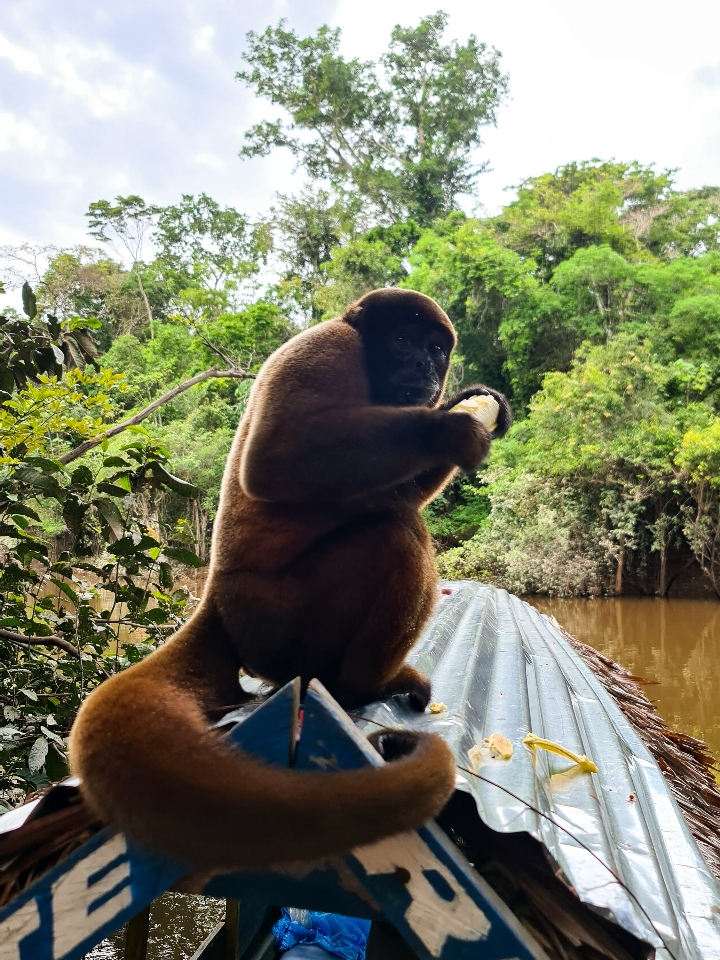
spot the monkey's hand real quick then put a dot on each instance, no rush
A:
(464, 440)
(504, 416)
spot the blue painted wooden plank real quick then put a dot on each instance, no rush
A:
(420, 881)
(93, 892)
(270, 731)
(106, 881)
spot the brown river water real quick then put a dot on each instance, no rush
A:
(673, 642)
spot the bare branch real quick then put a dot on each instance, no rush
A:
(52, 641)
(235, 373)
(217, 351)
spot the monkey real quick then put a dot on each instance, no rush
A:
(321, 566)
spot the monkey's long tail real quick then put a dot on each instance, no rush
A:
(148, 763)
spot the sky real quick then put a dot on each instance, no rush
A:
(103, 98)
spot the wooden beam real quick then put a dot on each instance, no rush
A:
(136, 935)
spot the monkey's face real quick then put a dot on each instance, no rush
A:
(407, 364)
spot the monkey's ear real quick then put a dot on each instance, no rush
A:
(505, 415)
(353, 315)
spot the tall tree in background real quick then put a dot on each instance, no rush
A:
(405, 144)
(209, 249)
(124, 226)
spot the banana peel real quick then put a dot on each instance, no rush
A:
(483, 407)
(534, 742)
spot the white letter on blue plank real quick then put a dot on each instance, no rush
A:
(73, 896)
(429, 916)
(23, 922)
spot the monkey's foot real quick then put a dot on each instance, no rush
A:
(395, 744)
(408, 682)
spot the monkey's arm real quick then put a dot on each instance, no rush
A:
(341, 453)
(426, 486)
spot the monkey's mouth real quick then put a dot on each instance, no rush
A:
(416, 394)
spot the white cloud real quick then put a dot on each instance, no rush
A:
(708, 76)
(203, 39)
(210, 160)
(18, 134)
(103, 81)
(23, 60)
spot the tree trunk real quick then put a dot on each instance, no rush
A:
(145, 300)
(662, 585)
(200, 523)
(620, 567)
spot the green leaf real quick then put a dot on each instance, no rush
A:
(30, 694)
(156, 615)
(166, 576)
(45, 464)
(82, 475)
(53, 736)
(127, 547)
(114, 462)
(182, 487)
(81, 323)
(29, 301)
(38, 752)
(41, 481)
(112, 489)
(110, 513)
(183, 555)
(66, 589)
(23, 511)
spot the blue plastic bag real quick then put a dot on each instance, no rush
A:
(345, 937)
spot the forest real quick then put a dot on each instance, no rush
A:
(592, 300)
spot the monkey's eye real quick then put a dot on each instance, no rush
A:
(438, 350)
(402, 341)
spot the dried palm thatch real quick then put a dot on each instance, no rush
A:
(685, 761)
(58, 824)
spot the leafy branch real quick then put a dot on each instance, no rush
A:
(213, 373)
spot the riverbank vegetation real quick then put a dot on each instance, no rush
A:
(592, 300)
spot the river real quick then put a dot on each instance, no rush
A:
(673, 642)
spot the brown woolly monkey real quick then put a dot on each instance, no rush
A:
(321, 566)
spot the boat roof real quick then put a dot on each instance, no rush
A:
(617, 836)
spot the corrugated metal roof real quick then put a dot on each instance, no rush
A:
(501, 667)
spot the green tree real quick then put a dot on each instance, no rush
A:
(462, 264)
(84, 576)
(405, 144)
(581, 205)
(209, 252)
(600, 480)
(307, 228)
(124, 226)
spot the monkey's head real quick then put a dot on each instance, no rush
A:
(408, 341)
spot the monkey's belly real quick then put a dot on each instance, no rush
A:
(370, 584)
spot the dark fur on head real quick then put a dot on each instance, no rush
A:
(407, 342)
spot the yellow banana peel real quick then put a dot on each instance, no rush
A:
(484, 407)
(533, 741)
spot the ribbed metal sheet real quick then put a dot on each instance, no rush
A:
(501, 667)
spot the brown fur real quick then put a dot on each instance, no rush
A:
(321, 567)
